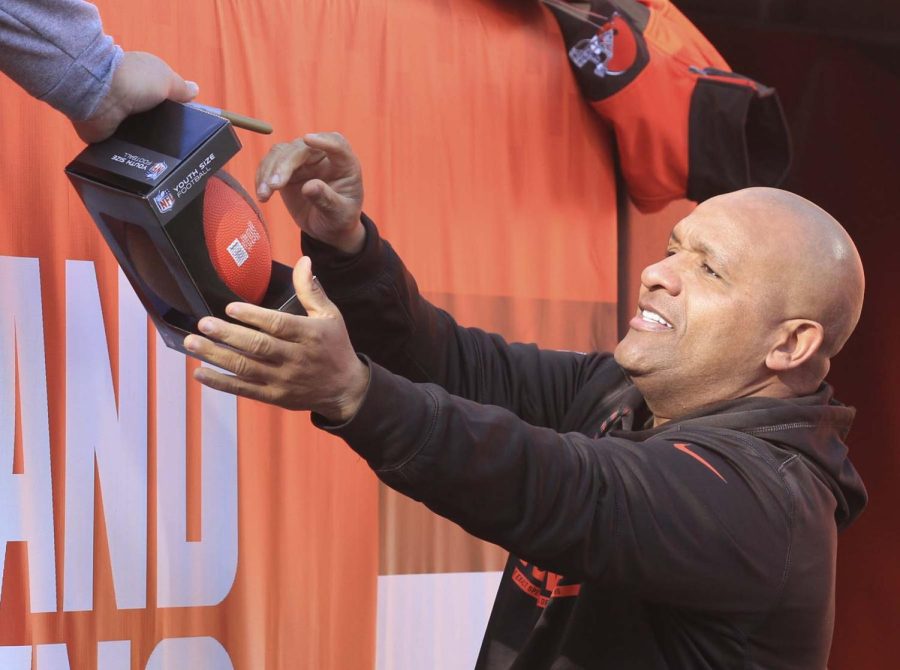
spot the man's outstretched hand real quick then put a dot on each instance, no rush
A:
(295, 362)
(320, 180)
(140, 82)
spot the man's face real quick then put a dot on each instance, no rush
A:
(706, 311)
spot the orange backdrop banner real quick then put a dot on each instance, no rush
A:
(144, 524)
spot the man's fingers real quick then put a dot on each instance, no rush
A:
(323, 196)
(301, 157)
(300, 160)
(279, 165)
(280, 325)
(222, 357)
(261, 346)
(264, 171)
(335, 145)
(267, 167)
(231, 384)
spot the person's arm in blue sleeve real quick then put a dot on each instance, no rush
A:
(57, 51)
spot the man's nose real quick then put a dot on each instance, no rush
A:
(664, 274)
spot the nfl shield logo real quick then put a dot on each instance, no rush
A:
(164, 201)
(155, 171)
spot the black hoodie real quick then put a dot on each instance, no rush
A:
(708, 542)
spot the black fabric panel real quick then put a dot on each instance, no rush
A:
(738, 137)
(768, 141)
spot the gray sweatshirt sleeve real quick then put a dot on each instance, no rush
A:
(57, 51)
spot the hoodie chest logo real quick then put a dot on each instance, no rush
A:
(541, 584)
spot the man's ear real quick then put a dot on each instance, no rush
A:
(797, 341)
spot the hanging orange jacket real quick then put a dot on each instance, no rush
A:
(685, 125)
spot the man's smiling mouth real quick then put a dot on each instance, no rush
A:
(653, 317)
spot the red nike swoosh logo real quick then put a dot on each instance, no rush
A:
(683, 447)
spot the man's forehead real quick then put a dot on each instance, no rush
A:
(711, 232)
(715, 218)
(729, 238)
(743, 219)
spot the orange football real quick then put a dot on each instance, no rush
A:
(236, 238)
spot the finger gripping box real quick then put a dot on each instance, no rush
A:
(185, 233)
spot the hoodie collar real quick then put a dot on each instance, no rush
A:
(814, 426)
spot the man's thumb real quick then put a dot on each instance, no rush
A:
(309, 290)
(181, 90)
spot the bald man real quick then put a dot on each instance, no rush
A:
(673, 506)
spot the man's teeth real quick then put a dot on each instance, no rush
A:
(653, 316)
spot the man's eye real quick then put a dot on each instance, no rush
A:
(670, 252)
(710, 271)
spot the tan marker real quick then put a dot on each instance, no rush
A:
(239, 120)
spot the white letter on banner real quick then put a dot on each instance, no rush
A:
(26, 500)
(15, 658)
(51, 657)
(114, 655)
(196, 653)
(116, 437)
(194, 573)
(110, 656)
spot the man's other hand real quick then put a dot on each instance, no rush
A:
(295, 362)
(140, 82)
(320, 180)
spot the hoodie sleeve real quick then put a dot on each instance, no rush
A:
(57, 51)
(389, 321)
(689, 523)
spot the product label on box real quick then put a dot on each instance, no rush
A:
(130, 160)
(195, 175)
(181, 185)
